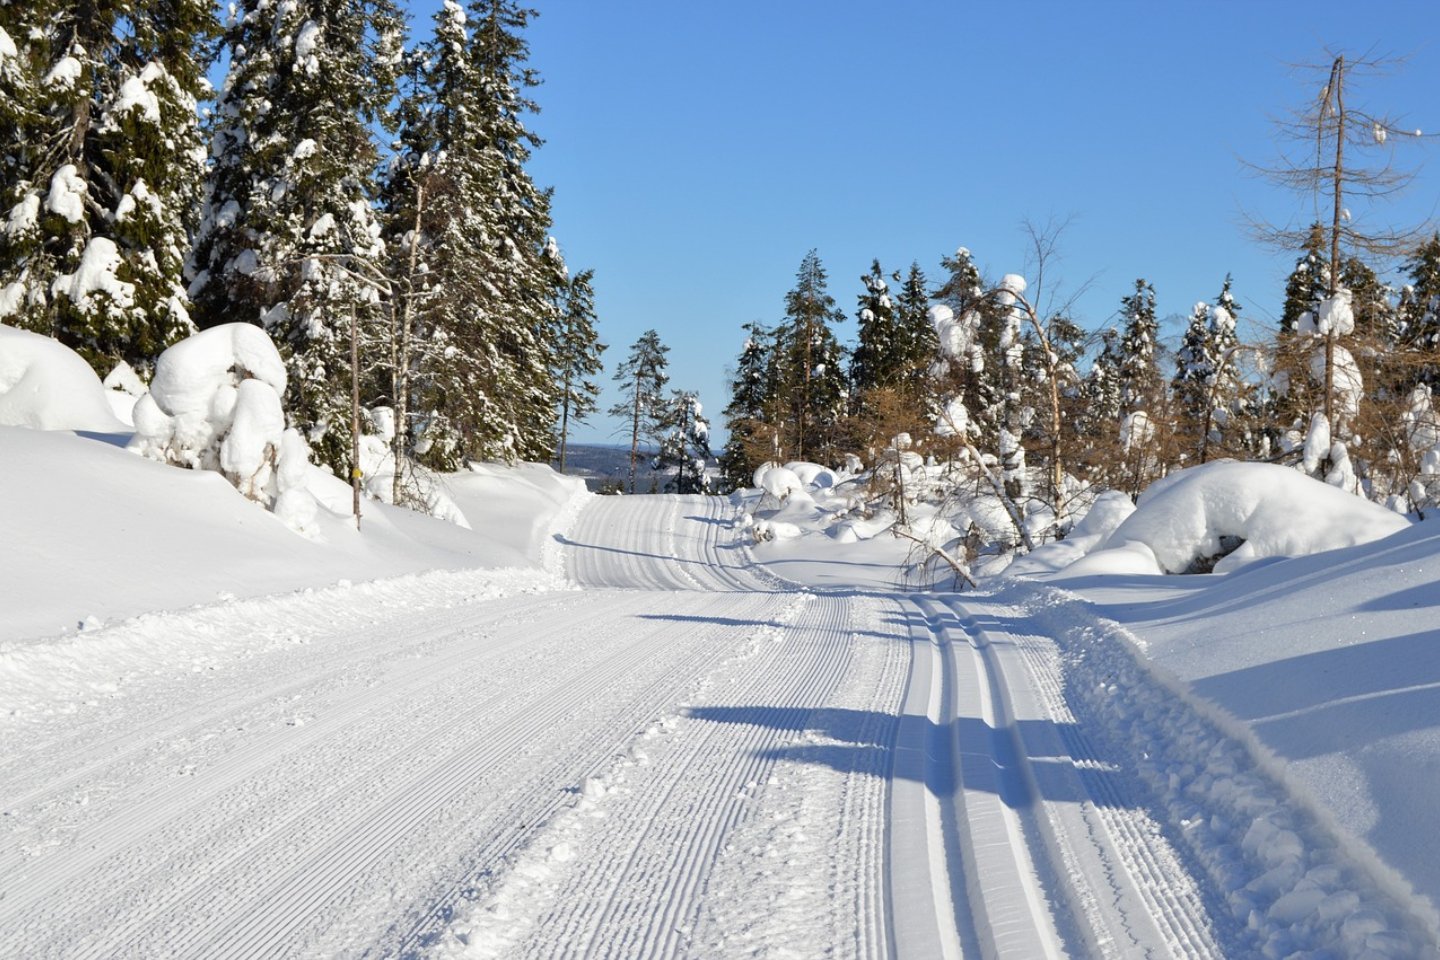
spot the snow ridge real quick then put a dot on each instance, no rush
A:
(1294, 881)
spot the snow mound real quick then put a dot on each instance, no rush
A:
(1110, 509)
(214, 404)
(45, 385)
(1226, 514)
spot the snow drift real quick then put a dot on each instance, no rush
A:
(45, 385)
(1224, 515)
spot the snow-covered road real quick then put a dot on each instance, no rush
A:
(686, 756)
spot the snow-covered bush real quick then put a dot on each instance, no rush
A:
(214, 404)
(45, 385)
(1222, 515)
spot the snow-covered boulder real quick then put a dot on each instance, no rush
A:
(1228, 514)
(214, 404)
(45, 385)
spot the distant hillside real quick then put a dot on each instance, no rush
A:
(601, 464)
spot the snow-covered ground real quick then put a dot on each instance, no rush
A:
(616, 727)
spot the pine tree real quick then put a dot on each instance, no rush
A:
(642, 378)
(577, 356)
(1139, 366)
(100, 177)
(289, 237)
(879, 359)
(684, 443)
(918, 343)
(812, 378)
(1419, 312)
(750, 415)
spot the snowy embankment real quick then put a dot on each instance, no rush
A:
(94, 533)
(1329, 666)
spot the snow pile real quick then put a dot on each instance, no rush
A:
(215, 405)
(45, 385)
(1226, 514)
(1110, 509)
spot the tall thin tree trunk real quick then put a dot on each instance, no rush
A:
(402, 360)
(1337, 89)
(634, 433)
(564, 420)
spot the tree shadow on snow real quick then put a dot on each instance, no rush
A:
(966, 753)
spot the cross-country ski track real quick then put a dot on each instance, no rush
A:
(669, 752)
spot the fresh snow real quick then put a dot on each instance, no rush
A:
(636, 727)
(1233, 513)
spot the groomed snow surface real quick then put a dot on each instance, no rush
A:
(619, 727)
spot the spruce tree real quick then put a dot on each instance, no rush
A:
(577, 357)
(1139, 365)
(879, 359)
(289, 238)
(1207, 388)
(918, 343)
(684, 443)
(101, 171)
(1419, 312)
(522, 264)
(750, 416)
(812, 381)
(642, 377)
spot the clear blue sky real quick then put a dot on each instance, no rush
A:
(698, 150)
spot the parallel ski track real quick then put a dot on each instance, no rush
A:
(1127, 884)
(1010, 914)
(666, 839)
(270, 831)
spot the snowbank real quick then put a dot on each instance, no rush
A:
(45, 385)
(107, 535)
(1228, 514)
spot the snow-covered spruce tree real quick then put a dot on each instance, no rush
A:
(684, 443)
(462, 211)
(874, 362)
(289, 237)
(1140, 380)
(101, 171)
(812, 386)
(577, 352)
(976, 372)
(888, 371)
(523, 266)
(918, 345)
(1207, 389)
(750, 417)
(1419, 312)
(642, 377)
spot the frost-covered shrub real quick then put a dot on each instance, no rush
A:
(214, 404)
